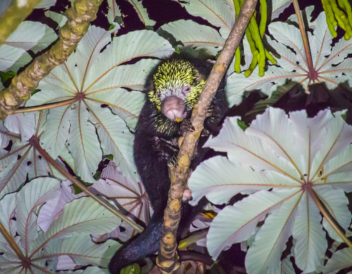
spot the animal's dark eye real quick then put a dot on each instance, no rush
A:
(186, 90)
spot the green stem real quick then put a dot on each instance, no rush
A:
(196, 236)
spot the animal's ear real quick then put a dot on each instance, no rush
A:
(199, 77)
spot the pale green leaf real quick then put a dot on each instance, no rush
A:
(135, 44)
(29, 35)
(82, 250)
(338, 171)
(130, 195)
(340, 259)
(59, 18)
(249, 150)
(242, 219)
(115, 139)
(192, 34)
(142, 13)
(265, 253)
(94, 77)
(14, 175)
(83, 143)
(31, 196)
(10, 55)
(278, 6)
(219, 187)
(7, 210)
(83, 216)
(57, 129)
(330, 145)
(237, 84)
(45, 4)
(22, 123)
(311, 244)
(6, 138)
(218, 13)
(287, 267)
(272, 128)
(290, 36)
(336, 202)
(113, 12)
(288, 154)
(322, 39)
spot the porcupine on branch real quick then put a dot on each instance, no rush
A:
(173, 90)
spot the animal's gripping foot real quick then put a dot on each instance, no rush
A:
(172, 162)
(186, 126)
(209, 111)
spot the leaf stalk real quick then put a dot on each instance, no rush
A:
(310, 65)
(101, 201)
(47, 106)
(328, 216)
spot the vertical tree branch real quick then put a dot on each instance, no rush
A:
(168, 259)
(14, 15)
(22, 85)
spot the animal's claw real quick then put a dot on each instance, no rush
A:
(186, 126)
(209, 111)
(172, 161)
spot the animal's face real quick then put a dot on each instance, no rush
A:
(176, 88)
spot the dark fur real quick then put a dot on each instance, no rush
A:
(152, 151)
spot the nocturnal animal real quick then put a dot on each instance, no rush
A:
(173, 89)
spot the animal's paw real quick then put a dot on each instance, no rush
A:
(209, 111)
(186, 126)
(187, 195)
(172, 162)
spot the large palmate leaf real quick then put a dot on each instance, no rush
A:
(285, 163)
(94, 102)
(29, 35)
(19, 159)
(114, 187)
(44, 250)
(330, 65)
(129, 194)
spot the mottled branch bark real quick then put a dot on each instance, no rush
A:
(168, 259)
(22, 85)
(13, 16)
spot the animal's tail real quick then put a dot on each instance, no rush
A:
(147, 242)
